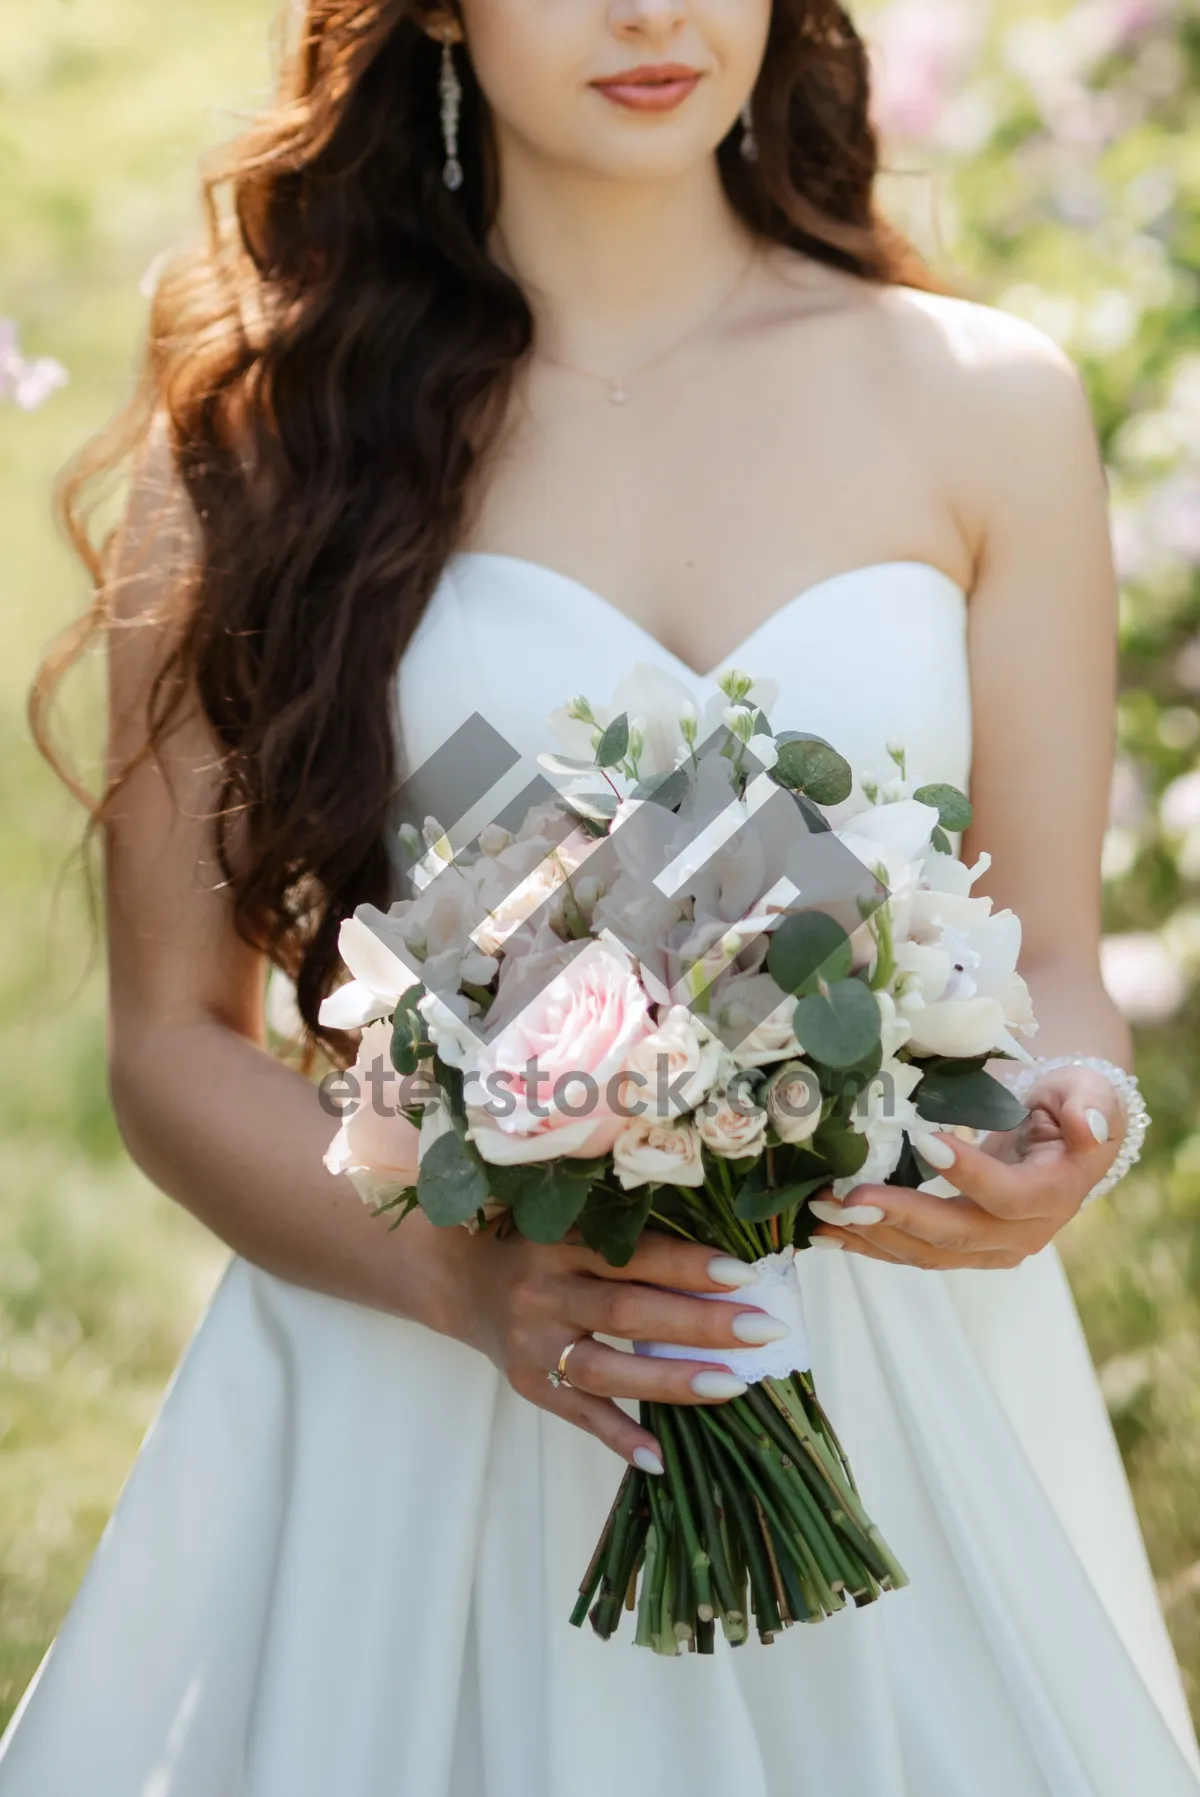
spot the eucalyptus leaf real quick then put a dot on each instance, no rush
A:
(952, 806)
(614, 744)
(809, 765)
(611, 1222)
(973, 1097)
(452, 1183)
(840, 1028)
(844, 1148)
(757, 1203)
(548, 1203)
(805, 944)
(599, 807)
(565, 764)
(668, 790)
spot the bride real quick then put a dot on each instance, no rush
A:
(540, 339)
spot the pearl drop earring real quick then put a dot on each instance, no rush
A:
(450, 93)
(749, 141)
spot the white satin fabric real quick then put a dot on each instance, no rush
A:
(343, 1563)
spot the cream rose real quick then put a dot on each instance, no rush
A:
(792, 1100)
(773, 1038)
(376, 1147)
(677, 1065)
(650, 1148)
(730, 1125)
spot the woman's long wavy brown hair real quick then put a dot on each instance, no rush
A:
(330, 370)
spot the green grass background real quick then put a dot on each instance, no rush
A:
(104, 105)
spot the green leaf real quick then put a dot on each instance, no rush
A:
(953, 807)
(548, 1203)
(756, 1203)
(844, 1148)
(842, 1028)
(611, 1222)
(595, 807)
(845, 1083)
(409, 1035)
(452, 1183)
(614, 744)
(806, 944)
(810, 765)
(668, 790)
(973, 1097)
(940, 841)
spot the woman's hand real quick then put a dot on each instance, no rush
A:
(522, 1304)
(1018, 1188)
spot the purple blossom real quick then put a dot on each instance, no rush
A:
(923, 50)
(27, 384)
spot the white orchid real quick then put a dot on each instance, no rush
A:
(379, 975)
(885, 1112)
(661, 707)
(956, 977)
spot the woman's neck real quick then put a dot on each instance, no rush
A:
(611, 267)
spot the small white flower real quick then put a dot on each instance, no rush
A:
(762, 747)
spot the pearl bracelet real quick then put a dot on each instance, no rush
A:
(1021, 1080)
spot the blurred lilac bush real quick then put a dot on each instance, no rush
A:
(1062, 148)
(24, 383)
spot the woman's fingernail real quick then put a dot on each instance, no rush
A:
(756, 1327)
(826, 1241)
(845, 1213)
(647, 1460)
(723, 1269)
(1097, 1122)
(934, 1149)
(717, 1385)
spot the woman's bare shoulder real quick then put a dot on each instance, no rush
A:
(985, 364)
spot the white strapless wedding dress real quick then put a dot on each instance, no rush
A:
(343, 1564)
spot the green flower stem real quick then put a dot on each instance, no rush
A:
(664, 1420)
(822, 1520)
(594, 1573)
(766, 1615)
(644, 1633)
(722, 1577)
(828, 1599)
(820, 1557)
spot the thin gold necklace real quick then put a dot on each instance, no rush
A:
(617, 384)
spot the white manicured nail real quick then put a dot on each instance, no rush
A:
(845, 1213)
(717, 1385)
(723, 1269)
(937, 1187)
(934, 1149)
(756, 1327)
(826, 1241)
(1098, 1124)
(647, 1460)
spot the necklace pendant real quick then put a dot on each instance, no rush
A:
(617, 393)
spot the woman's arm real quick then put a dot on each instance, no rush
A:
(1029, 491)
(203, 1107)
(237, 1137)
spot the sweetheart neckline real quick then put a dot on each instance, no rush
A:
(772, 618)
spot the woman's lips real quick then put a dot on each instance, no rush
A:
(654, 87)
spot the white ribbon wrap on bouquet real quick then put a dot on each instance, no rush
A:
(777, 1291)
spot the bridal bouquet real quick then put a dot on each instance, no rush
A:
(689, 989)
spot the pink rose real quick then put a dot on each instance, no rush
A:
(579, 1029)
(376, 1146)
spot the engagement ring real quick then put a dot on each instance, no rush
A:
(559, 1375)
